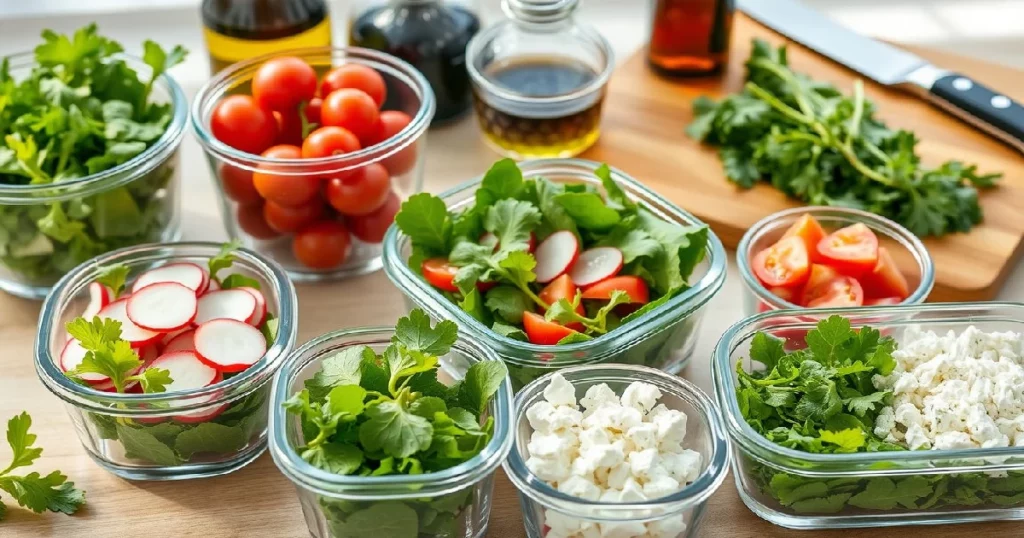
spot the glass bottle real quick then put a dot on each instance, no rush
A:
(690, 37)
(539, 80)
(236, 30)
(429, 34)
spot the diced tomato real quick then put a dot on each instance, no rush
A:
(885, 279)
(563, 288)
(883, 301)
(786, 263)
(852, 250)
(838, 292)
(791, 295)
(634, 286)
(440, 273)
(819, 275)
(808, 229)
(543, 332)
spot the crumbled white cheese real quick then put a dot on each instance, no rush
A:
(624, 449)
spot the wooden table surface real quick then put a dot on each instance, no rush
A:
(258, 501)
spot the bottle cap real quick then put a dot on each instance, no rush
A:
(539, 11)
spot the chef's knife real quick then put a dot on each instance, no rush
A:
(888, 65)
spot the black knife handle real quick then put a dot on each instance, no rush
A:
(982, 106)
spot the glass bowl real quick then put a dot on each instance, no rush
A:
(679, 515)
(445, 504)
(773, 480)
(401, 158)
(133, 203)
(188, 434)
(663, 339)
(909, 252)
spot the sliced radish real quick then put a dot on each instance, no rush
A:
(148, 354)
(186, 370)
(556, 255)
(213, 286)
(182, 342)
(187, 274)
(72, 355)
(595, 265)
(167, 337)
(229, 345)
(138, 336)
(163, 307)
(99, 296)
(261, 307)
(236, 304)
(205, 286)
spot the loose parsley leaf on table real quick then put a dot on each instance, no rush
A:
(34, 491)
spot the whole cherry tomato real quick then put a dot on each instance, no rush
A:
(322, 245)
(237, 184)
(355, 76)
(312, 110)
(370, 228)
(240, 123)
(289, 128)
(329, 141)
(391, 123)
(250, 219)
(287, 219)
(361, 192)
(289, 190)
(352, 109)
(284, 82)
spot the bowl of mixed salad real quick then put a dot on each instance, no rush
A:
(556, 263)
(89, 142)
(163, 355)
(393, 431)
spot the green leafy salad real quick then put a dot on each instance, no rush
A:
(375, 414)
(36, 492)
(80, 110)
(815, 144)
(822, 400)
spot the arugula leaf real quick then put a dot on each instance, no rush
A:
(554, 216)
(616, 196)
(588, 210)
(503, 180)
(239, 281)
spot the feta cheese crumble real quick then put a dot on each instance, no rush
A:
(955, 391)
(617, 449)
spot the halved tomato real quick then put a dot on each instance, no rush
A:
(786, 263)
(808, 229)
(440, 273)
(791, 295)
(852, 250)
(838, 292)
(885, 280)
(883, 301)
(634, 286)
(543, 332)
(563, 288)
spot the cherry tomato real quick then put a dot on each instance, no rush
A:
(563, 288)
(634, 286)
(783, 264)
(391, 123)
(356, 76)
(883, 301)
(250, 219)
(290, 190)
(360, 193)
(237, 184)
(289, 128)
(838, 292)
(312, 110)
(240, 123)
(852, 250)
(370, 228)
(329, 141)
(322, 245)
(283, 82)
(808, 229)
(352, 109)
(287, 219)
(440, 274)
(885, 279)
(543, 332)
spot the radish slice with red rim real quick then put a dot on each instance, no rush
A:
(595, 265)
(72, 355)
(235, 303)
(99, 296)
(138, 336)
(186, 370)
(261, 307)
(555, 255)
(182, 342)
(163, 307)
(229, 345)
(213, 285)
(187, 274)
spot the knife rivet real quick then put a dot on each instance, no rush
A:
(962, 84)
(1001, 101)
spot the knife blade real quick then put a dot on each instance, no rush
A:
(891, 66)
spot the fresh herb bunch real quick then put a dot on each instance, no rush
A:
(33, 491)
(824, 148)
(81, 110)
(822, 400)
(370, 414)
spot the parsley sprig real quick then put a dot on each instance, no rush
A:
(107, 354)
(36, 492)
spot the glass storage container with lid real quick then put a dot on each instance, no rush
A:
(539, 80)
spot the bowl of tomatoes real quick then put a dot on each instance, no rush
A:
(831, 257)
(312, 152)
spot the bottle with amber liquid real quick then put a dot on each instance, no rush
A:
(236, 30)
(690, 37)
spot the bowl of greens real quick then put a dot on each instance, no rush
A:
(393, 431)
(559, 262)
(89, 142)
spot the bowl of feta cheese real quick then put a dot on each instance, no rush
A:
(617, 451)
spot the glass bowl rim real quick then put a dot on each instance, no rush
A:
(692, 494)
(235, 387)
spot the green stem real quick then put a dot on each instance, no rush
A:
(778, 105)
(853, 131)
(787, 76)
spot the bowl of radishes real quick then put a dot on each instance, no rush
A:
(163, 354)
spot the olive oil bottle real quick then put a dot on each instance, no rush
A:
(236, 30)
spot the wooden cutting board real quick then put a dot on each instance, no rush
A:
(642, 133)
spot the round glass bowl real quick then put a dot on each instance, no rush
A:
(539, 80)
(664, 338)
(400, 157)
(133, 203)
(445, 504)
(679, 514)
(157, 436)
(909, 252)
